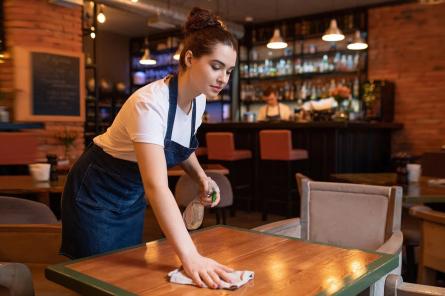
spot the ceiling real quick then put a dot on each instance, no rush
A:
(129, 24)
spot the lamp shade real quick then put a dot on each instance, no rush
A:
(146, 58)
(276, 42)
(333, 33)
(177, 54)
(357, 42)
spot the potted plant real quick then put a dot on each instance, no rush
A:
(66, 137)
(341, 94)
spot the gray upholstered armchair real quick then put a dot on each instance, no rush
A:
(347, 215)
(30, 237)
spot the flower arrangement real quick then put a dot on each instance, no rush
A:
(67, 138)
(340, 93)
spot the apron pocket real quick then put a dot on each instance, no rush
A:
(103, 189)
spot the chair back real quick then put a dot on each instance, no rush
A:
(220, 145)
(15, 279)
(432, 245)
(186, 190)
(21, 148)
(275, 144)
(350, 215)
(15, 210)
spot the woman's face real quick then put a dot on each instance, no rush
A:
(211, 72)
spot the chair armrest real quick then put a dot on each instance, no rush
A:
(394, 285)
(289, 227)
(393, 245)
(426, 213)
(16, 278)
(30, 243)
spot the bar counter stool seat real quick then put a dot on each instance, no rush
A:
(277, 154)
(221, 149)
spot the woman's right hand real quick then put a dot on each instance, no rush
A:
(205, 270)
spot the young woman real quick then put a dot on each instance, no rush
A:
(103, 202)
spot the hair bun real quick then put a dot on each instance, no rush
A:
(199, 19)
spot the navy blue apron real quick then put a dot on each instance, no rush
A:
(273, 117)
(103, 203)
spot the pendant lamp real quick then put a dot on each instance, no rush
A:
(357, 42)
(276, 42)
(146, 58)
(333, 33)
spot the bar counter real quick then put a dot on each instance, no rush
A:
(333, 147)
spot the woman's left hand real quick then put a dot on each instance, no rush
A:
(207, 186)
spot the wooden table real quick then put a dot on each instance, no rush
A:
(177, 171)
(420, 192)
(26, 184)
(282, 266)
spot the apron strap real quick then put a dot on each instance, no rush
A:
(192, 133)
(173, 101)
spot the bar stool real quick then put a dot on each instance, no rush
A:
(276, 153)
(221, 149)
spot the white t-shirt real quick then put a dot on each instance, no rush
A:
(143, 118)
(284, 111)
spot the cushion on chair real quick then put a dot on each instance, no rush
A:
(221, 146)
(277, 145)
(297, 154)
(347, 218)
(22, 211)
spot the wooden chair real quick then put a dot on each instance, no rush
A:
(432, 243)
(31, 235)
(349, 215)
(394, 286)
(186, 190)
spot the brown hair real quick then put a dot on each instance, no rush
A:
(268, 91)
(203, 30)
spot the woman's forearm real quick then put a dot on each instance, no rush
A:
(192, 167)
(170, 220)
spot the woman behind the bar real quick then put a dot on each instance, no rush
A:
(103, 202)
(273, 110)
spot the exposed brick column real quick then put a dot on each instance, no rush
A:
(36, 23)
(407, 45)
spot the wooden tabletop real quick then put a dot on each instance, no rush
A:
(417, 192)
(26, 184)
(282, 266)
(212, 168)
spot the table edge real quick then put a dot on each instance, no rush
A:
(67, 277)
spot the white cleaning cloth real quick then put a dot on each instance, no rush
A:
(240, 278)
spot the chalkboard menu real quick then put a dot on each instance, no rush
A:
(55, 84)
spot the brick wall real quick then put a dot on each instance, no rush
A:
(36, 23)
(407, 45)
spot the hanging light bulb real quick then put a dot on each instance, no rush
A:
(276, 42)
(357, 42)
(101, 16)
(146, 58)
(177, 54)
(333, 33)
(134, 1)
(92, 33)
